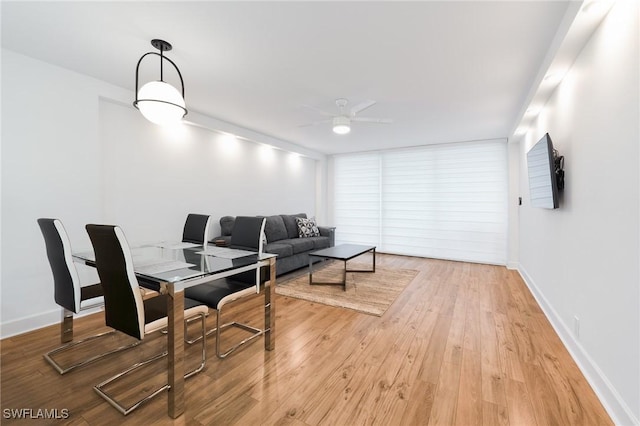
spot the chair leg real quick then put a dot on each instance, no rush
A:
(66, 326)
(187, 323)
(63, 370)
(111, 400)
(203, 337)
(126, 410)
(197, 339)
(256, 332)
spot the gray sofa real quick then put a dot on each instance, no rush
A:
(283, 239)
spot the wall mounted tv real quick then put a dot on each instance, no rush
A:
(546, 174)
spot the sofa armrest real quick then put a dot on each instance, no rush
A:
(328, 231)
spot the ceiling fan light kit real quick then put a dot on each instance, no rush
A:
(341, 125)
(341, 122)
(158, 101)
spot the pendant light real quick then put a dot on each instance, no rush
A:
(158, 101)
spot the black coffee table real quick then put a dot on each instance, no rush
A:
(342, 252)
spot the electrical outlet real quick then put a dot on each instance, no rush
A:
(576, 326)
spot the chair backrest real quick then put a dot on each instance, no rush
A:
(247, 233)
(65, 276)
(123, 304)
(196, 229)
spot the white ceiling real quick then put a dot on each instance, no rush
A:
(443, 71)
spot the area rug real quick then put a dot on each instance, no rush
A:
(370, 293)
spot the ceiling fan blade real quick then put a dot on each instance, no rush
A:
(372, 120)
(325, 113)
(361, 107)
(315, 123)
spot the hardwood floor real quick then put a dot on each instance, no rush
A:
(464, 344)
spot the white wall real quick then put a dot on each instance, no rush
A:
(582, 260)
(154, 176)
(74, 148)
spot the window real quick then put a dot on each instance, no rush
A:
(443, 201)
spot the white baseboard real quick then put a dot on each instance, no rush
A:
(513, 265)
(34, 322)
(616, 407)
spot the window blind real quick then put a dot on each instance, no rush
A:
(442, 201)
(357, 198)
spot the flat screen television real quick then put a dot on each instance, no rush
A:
(546, 176)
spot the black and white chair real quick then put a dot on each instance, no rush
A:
(247, 235)
(196, 229)
(127, 311)
(69, 294)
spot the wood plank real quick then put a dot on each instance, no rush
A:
(378, 405)
(471, 340)
(495, 415)
(509, 361)
(469, 403)
(419, 405)
(546, 406)
(519, 403)
(492, 377)
(443, 410)
(434, 355)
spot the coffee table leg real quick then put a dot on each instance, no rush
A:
(364, 270)
(374, 259)
(343, 283)
(344, 277)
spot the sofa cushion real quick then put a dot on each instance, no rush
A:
(226, 225)
(307, 227)
(282, 250)
(299, 245)
(319, 243)
(291, 225)
(275, 229)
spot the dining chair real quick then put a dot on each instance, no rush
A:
(127, 311)
(247, 235)
(69, 294)
(196, 229)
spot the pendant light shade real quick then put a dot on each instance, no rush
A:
(161, 103)
(158, 101)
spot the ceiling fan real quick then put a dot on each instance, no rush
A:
(341, 121)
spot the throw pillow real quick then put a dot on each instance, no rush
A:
(291, 224)
(307, 227)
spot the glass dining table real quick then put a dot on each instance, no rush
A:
(173, 267)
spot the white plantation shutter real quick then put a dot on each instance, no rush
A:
(443, 201)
